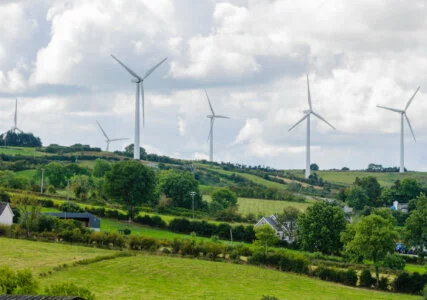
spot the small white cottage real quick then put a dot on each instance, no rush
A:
(6, 214)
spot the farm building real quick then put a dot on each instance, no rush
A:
(403, 207)
(88, 220)
(6, 214)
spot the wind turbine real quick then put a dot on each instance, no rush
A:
(15, 119)
(213, 116)
(108, 140)
(139, 84)
(403, 115)
(307, 114)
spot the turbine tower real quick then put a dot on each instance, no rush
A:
(402, 116)
(108, 140)
(15, 119)
(213, 116)
(307, 114)
(139, 85)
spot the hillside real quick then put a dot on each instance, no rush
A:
(163, 277)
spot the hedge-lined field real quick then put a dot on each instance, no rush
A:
(266, 207)
(42, 257)
(161, 277)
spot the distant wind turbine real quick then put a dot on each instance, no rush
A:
(139, 84)
(108, 140)
(210, 136)
(307, 114)
(15, 119)
(403, 115)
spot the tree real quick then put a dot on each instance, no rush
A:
(288, 221)
(319, 228)
(345, 169)
(224, 197)
(371, 187)
(29, 211)
(314, 167)
(178, 185)
(19, 139)
(408, 189)
(266, 236)
(131, 183)
(55, 173)
(129, 152)
(371, 238)
(357, 197)
(101, 167)
(416, 224)
(80, 185)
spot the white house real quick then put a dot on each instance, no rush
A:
(280, 232)
(6, 214)
(400, 206)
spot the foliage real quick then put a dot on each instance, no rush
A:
(371, 238)
(19, 282)
(69, 289)
(224, 197)
(29, 211)
(357, 197)
(266, 236)
(19, 139)
(406, 189)
(416, 223)
(131, 183)
(394, 261)
(71, 207)
(348, 277)
(58, 174)
(4, 196)
(129, 152)
(287, 220)
(9, 179)
(100, 168)
(319, 228)
(409, 283)
(314, 167)
(366, 279)
(371, 187)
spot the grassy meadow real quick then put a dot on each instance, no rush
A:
(25, 151)
(267, 207)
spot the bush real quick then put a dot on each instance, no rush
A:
(71, 207)
(5, 230)
(348, 277)
(281, 260)
(394, 261)
(69, 289)
(366, 279)
(409, 283)
(383, 284)
(51, 189)
(21, 282)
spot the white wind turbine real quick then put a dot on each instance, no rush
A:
(108, 140)
(403, 115)
(15, 119)
(139, 84)
(213, 116)
(307, 114)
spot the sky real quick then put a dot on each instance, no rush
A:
(252, 57)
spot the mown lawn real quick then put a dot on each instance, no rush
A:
(415, 268)
(163, 277)
(42, 257)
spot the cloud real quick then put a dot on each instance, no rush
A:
(181, 126)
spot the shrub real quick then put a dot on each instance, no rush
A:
(366, 279)
(5, 230)
(383, 283)
(51, 189)
(126, 231)
(69, 289)
(281, 260)
(71, 207)
(409, 283)
(348, 277)
(21, 282)
(394, 261)
(264, 297)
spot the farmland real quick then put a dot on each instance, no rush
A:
(267, 207)
(163, 277)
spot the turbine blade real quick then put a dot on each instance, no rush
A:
(121, 139)
(412, 98)
(153, 68)
(410, 127)
(321, 118)
(100, 127)
(222, 117)
(143, 105)
(297, 123)
(209, 101)
(392, 109)
(126, 67)
(308, 93)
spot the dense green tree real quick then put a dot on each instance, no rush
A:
(357, 197)
(371, 238)
(386, 197)
(319, 228)
(178, 186)
(386, 213)
(101, 167)
(131, 183)
(372, 189)
(409, 189)
(265, 236)
(416, 224)
(80, 185)
(224, 197)
(19, 139)
(314, 167)
(29, 211)
(129, 152)
(288, 221)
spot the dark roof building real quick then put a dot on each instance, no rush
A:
(89, 220)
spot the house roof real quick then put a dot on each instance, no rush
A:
(94, 221)
(38, 297)
(3, 206)
(272, 222)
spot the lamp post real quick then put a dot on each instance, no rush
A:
(192, 196)
(41, 184)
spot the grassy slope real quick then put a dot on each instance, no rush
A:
(157, 277)
(26, 151)
(267, 207)
(41, 257)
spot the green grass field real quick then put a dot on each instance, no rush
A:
(161, 277)
(29, 174)
(26, 151)
(415, 268)
(42, 257)
(267, 207)
(347, 178)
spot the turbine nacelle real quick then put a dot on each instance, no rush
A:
(307, 111)
(133, 80)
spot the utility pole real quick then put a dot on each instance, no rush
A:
(68, 195)
(41, 185)
(231, 236)
(192, 196)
